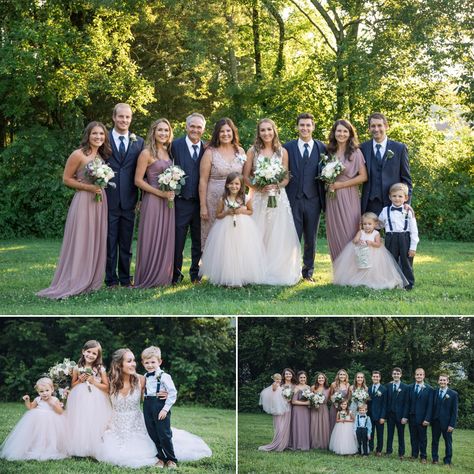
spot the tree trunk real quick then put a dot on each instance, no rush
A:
(280, 62)
(256, 40)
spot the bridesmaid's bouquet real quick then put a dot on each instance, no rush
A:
(337, 398)
(317, 399)
(332, 168)
(172, 179)
(287, 393)
(88, 371)
(360, 395)
(60, 374)
(269, 171)
(100, 174)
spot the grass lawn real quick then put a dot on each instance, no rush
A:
(257, 429)
(444, 273)
(215, 426)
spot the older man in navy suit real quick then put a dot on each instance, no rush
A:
(397, 398)
(187, 152)
(418, 412)
(445, 414)
(305, 193)
(377, 406)
(387, 164)
(121, 200)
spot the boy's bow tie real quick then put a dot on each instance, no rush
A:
(362, 416)
(400, 209)
(150, 374)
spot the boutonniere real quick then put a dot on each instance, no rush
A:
(133, 137)
(378, 393)
(390, 154)
(446, 396)
(241, 159)
(399, 390)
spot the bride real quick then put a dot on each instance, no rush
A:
(283, 266)
(126, 441)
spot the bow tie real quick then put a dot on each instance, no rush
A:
(362, 416)
(150, 374)
(400, 209)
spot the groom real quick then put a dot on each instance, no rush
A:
(305, 193)
(387, 164)
(122, 199)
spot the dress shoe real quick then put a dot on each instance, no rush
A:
(309, 279)
(160, 464)
(171, 465)
(378, 454)
(435, 462)
(401, 458)
(423, 461)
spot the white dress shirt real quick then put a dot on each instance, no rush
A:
(398, 224)
(116, 138)
(382, 148)
(166, 384)
(190, 146)
(301, 146)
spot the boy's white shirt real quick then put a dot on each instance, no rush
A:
(398, 223)
(166, 384)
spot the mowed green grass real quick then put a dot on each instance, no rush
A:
(257, 429)
(443, 270)
(215, 426)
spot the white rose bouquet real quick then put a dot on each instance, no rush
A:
(360, 395)
(332, 168)
(317, 399)
(233, 205)
(88, 371)
(287, 393)
(60, 374)
(269, 171)
(100, 174)
(172, 179)
(337, 398)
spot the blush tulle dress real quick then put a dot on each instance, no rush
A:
(343, 439)
(39, 435)
(375, 269)
(126, 441)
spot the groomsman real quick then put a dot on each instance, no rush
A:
(387, 164)
(377, 411)
(121, 200)
(305, 193)
(187, 152)
(445, 413)
(397, 398)
(418, 412)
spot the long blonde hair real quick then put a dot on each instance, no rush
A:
(116, 373)
(150, 138)
(258, 144)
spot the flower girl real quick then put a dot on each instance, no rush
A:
(366, 262)
(40, 434)
(88, 407)
(343, 439)
(234, 252)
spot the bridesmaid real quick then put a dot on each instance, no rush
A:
(81, 266)
(155, 246)
(359, 383)
(223, 156)
(282, 423)
(320, 432)
(340, 385)
(300, 418)
(343, 210)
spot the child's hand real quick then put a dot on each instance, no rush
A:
(26, 398)
(411, 253)
(162, 414)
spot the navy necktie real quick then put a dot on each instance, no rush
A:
(399, 209)
(378, 155)
(306, 152)
(441, 394)
(417, 388)
(122, 146)
(195, 154)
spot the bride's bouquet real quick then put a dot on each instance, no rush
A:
(332, 168)
(60, 374)
(287, 393)
(100, 174)
(172, 179)
(269, 171)
(360, 396)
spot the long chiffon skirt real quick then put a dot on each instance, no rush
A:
(320, 431)
(281, 433)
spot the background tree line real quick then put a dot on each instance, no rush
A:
(65, 63)
(267, 345)
(199, 353)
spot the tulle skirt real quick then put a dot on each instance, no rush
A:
(39, 435)
(87, 415)
(273, 402)
(343, 439)
(189, 447)
(234, 255)
(382, 273)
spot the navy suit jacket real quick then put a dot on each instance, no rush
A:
(182, 158)
(445, 410)
(394, 170)
(313, 188)
(396, 402)
(125, 195)
(377, 405)
(420, 405)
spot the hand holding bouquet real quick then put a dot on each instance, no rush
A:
(287, 393)
(172, 179)
(60, 374)
(233, 205)
(360, 395)
(269, 171)
(337, 398)
(332, 168)
(87, 371)
(100, 174)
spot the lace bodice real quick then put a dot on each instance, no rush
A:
(259, 156)
(126, 415)
(369, 237)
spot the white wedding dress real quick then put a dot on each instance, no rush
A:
(126, 441)
(283, 250)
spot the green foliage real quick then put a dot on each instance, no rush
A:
(199, 353)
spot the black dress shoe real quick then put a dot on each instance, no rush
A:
(409, 287)
(309, 279)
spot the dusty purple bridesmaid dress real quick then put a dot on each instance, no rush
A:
(300, 425)
(81, 266)
(155, 246)
(320, 432)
